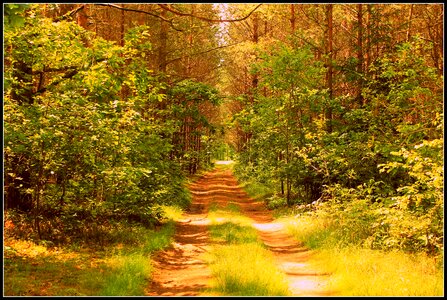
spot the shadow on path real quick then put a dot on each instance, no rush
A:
(181, 271)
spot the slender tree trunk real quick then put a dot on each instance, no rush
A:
(292, 17)
(255, 40)
(360, 52)
(368, 38)
(122, 28)
(190, 43)
(329, 72)
(163, 37)
(410, 17)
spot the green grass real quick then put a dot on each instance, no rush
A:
(229, 226)
(257, 190)
(128, 276)
(314, 232)
(121, 268)
(232, 233)
(357, 271)
(365, 272)
(246, 269)
(241, 266)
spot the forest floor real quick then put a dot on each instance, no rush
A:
(181, 270)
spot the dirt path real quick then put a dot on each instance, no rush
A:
(181, 271)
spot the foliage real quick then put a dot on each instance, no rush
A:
(280, 122)
(13, 15)
(89, 138)
(380, 170)
(194, 144)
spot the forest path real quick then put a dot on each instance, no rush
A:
(181, 269)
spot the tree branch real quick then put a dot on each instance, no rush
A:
(48, 70)
(140, 11)
(68, 75)
(69, 14)
(168, 8)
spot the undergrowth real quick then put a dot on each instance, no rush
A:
(368, 248)
(342, 248)
(120, 268)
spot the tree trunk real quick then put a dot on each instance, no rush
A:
(360, 53)
(368, 38)
(292, 17)
(255, 79)
(329, 72)
(410, 17)
(122, 28)
(82, 16)
(163, 37)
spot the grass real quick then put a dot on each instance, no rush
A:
(257, 190)
(246, 269)
(366, 272)
(129, 274)
(357, 271)
(239, 262)
(120, 269)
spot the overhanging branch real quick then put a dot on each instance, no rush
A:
(179, 13)
(140, 11)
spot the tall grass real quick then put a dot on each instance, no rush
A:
(366, 272)
(121, 268)
(257, 190)
(246, 270)
(357, 271)
(241, 266)
(128, 277)
(131, 267)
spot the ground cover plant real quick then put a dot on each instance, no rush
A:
(121, 267)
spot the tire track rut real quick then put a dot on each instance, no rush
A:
(181, 270)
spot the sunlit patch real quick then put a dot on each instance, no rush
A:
(288, 266)
(224, 162)
(268, 226)
(32, 250)
(305, 286)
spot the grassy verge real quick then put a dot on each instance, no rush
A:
(121, 268)
(338, 243)
(240, 264)
(357, 271)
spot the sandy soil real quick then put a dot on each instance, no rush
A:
(181, 269)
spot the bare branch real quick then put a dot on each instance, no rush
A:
(179, 13)
(69, 14)
(67, 75)
(140, 11)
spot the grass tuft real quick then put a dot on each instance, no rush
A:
(232, 233)
(128, 276)
(246, 270)
(242, 266)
